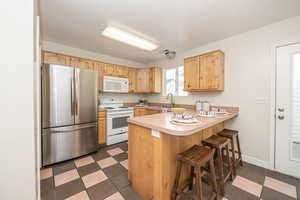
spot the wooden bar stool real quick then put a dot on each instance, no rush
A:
(197, 158)
(233, 135)
(221, 144)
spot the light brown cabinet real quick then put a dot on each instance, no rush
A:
(204, 72)
(143, 81)
(140, 80)
(155, 80)
(102, 127)
(132, 80)
(54, 58)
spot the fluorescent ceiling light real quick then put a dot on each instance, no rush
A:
(128, 38)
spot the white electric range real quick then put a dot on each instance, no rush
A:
(116, 120)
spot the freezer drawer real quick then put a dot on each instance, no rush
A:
(64, 143)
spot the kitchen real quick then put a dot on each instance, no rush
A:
(192, 104)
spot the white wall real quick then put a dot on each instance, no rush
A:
(17, 144)
(249, 71)
(59, 48)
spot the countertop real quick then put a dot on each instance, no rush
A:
(162, 123)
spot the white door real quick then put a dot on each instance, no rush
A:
(287, 151)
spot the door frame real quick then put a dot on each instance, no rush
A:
(273, 88)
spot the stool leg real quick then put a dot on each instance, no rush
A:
(177, 177)
(230, 164)
(198, 184)
(221, 170)
(213, 177)
(233, 156)
(192, 178)
(239, 150)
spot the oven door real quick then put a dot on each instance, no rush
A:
(117, 123)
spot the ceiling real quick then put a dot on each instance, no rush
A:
(177, 25)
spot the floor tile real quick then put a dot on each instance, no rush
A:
(247, 185)
(124, 164)
(234, 193)
(116, 196)
(66, 177)
(280, 186)
(88, 169)
(47, 189)
(107, 162)
(124, 146)
(63, 167)
(69, 189)
(115, 151)
(84, 161)
(120, 181)
(269, 194)
(114, 170)
(94, 178)
(252, 172)
(79, 196)
(121, 157)
(46, 173)
(100, 155)
(129, 194)
(101, 190)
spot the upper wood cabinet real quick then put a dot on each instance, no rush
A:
(140, 80)
(204, 72)
(132, 80)
(143, 80)
(155, 80)
(54, 58)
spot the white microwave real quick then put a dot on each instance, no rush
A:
(115, 84)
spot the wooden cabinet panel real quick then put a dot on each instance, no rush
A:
(54, 58)
(120, 71)
(191, 73)
(143, 81)
(152, 111)
(108, 69)
(85, 64)
(99, 67)
(212, 71)
(156, 80)
(132, 80)
(204, 72)
(102, 127)
(140, 112)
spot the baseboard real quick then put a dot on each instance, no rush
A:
(257, 162)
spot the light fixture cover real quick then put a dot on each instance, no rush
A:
(129, 38)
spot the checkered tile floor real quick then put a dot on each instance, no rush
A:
(103, 176)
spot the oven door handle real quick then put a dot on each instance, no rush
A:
(120, 115)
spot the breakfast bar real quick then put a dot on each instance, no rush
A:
(153, 143)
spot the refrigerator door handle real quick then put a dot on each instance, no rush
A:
(76, 92)
(73, 129)
(72, 98)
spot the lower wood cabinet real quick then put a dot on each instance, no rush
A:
(102, 127)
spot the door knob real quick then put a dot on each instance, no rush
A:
(281, 109)
(280, 117)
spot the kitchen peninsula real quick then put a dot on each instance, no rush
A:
(154, 142)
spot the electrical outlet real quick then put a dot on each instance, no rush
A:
(155, 133)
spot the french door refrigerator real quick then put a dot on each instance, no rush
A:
(69, 113)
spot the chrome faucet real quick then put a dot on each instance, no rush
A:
(172, 101)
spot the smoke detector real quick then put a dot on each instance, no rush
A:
(169, 54)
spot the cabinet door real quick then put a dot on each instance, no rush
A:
(143, 79)
(85, 64)
(140, 112)
(132, 80)
(109, 69)
(54, 58)
(156, 80)
(151, 111)
(120, 71)
(99, 67)
(211, 71)
(102, 127)
(191, 73)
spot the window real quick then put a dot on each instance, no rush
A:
(174, 81)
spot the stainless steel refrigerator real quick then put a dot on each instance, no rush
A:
(69, 113)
